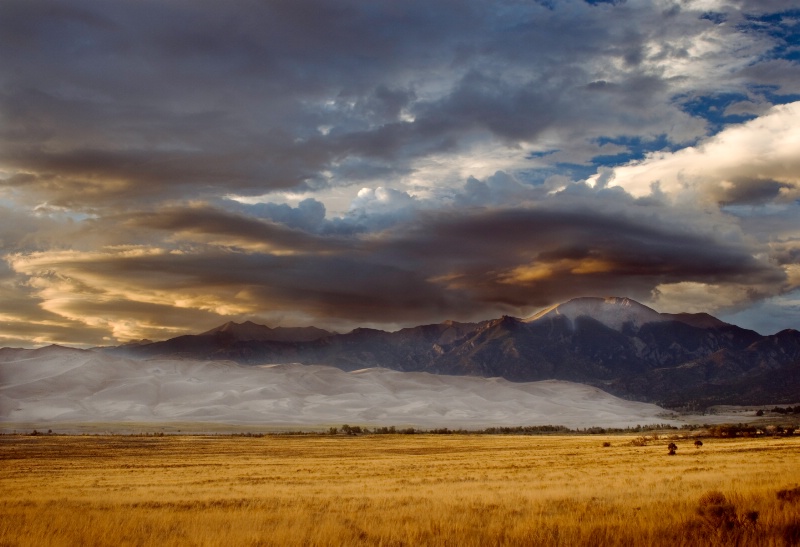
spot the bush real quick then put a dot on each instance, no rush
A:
(606, 444)
(790, 495)
(715, 511)
(718, 514)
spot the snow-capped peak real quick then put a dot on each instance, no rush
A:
(613, 312)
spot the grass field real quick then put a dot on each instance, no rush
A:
(397, 490)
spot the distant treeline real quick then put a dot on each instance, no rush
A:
(706, 430)
(748, 430)
(501, 430)
(787, 410)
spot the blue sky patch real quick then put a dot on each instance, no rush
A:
(783, 27)
(715, 17)
(712, 108)
(637, 149)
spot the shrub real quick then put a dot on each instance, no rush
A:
(672, 448)
(639, 441)
(790, 495)
(715, 511)
(750, 518)
(698, 443)
(718, 514)
(712, 497)
(606, 444)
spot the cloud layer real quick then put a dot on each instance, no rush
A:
(167, 167)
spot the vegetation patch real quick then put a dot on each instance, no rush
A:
(420, 489)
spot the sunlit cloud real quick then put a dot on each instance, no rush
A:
(752, 163)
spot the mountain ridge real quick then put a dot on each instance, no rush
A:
(613, 343)
(253, 331)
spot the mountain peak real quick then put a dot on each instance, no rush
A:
(612, 311)
(248, 328)
(253, 331)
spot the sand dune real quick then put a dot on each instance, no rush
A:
(53, 384)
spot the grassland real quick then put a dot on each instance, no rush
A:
(397, 490)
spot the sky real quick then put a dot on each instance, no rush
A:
(168, 166)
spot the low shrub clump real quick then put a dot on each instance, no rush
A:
(791, 495)
(716, 512)
(719, 521)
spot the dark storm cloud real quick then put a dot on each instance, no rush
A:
(108, 102)
(220, 227)
(153, 96)
(480, 101)
(441, 265)
(309, 215)
(531, 257)
(752, 191)
(75, 154)
(333, 289)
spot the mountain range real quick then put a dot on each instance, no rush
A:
(617, 344)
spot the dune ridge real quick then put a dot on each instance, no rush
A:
(66, 385)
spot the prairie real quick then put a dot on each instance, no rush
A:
(395, 490)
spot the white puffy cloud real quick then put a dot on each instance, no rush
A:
(751, 163)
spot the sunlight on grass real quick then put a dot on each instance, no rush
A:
(397, 490)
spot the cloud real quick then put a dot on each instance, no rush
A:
(309, 215)
(163, 291)
(108, 103)
(440, 148)
(769, 315)
(201, 223)
(437, 264)
(527, 257)
(498, 189)
(752, 163)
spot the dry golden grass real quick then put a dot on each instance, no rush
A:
(395, 490)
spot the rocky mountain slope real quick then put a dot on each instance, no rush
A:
(617, 344)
